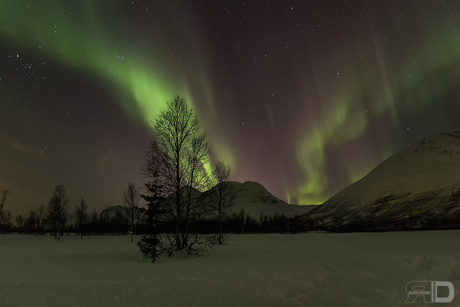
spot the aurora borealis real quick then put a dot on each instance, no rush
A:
(304, 97)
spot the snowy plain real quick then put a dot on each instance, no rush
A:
(312, 269)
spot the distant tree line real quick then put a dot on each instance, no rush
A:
(417, 220)
(120, 222)
(58, 218)
(55, 219)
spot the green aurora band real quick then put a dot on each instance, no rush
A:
(79, 39)
(348, 116)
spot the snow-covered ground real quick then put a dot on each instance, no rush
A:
(361, 269)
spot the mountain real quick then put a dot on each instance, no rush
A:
(254, 198)
(414, 188)
(112, 211)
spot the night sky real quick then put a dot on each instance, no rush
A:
(304, 97)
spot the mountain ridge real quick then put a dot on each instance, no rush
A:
(420, 182)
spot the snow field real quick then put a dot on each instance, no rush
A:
(313, 269)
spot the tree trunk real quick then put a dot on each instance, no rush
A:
(131, 233)
(132, 222)
(187, 216)
(178, 221)
(221, 239)
(178, 209)
(178, 241)
(59, 224)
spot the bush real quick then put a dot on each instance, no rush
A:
(151, 246)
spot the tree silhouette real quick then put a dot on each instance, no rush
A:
(5, 193)
(176, 158)
(57, 210)
(242, 217)
(94, 221)
(7, 218)
(81, 215)
(222, 197)
(131, 199)
(19, 222)
(31, 222)
(196, 179)
(151, 244)
(40, 218)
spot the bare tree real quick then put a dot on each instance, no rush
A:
(31, 222)
(94, 221)
(81, 215)
(40, 218)
(8, 219)
(176, 158)
(5, 193)
(222, 197)
(196, 179)
(104, 219)
(57, 209)
(131, 199)
(241, 216)
(19, 221)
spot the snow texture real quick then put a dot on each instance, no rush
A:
(254, 198)
(424, 177)
(354, 269)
